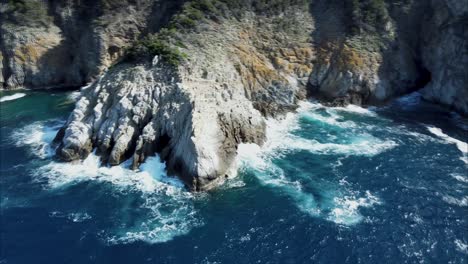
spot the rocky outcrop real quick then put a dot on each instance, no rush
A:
(194, 115)
(371, 62)
(136, 111)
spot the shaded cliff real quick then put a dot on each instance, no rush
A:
(51, 43)
(371, 51)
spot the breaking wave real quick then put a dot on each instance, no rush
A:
(462, 146)
(284, 137)
(167, 205)
(38, 137)
(12, 97)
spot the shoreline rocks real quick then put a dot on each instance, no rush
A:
(239, 70)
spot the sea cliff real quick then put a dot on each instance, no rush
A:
(191, 80)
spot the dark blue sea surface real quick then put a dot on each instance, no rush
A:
(331, 185)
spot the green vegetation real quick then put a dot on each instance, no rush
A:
(193, 13)
(157, 44)
(27, 12)
(366, 15)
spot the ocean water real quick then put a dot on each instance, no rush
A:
(331, 185)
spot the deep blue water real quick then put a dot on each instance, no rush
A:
(332, 185)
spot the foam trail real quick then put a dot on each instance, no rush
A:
(333, 119)
(462, 202)
(279, 139)
(357, 109)
(12, 97)
(269, 174)
(460, 178)
(462, 146)
(461, 246)
(343, 207)
(168, 205)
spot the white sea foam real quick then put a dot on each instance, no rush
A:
(463, 201)
(281, 139)
(12, 97)
(360, 146)
(346, 209)
(74, 217)
(358, 110)
(74, 96)
(38, 136)
(169, 205)
(308, 106)
(78, 217)
(462, 146)
(460, 178)
(461, 246)
(333, 119)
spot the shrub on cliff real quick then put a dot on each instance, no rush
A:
(366, 15)
(27, 12)
(156, 44)
(193, 13)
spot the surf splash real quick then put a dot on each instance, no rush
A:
(12, 97)
(462, 146)
(162, 207)
(286, 137)
(38, 137)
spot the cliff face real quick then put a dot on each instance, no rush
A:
(402, 47)
(445, 54)
(215, 69)
(46, 43)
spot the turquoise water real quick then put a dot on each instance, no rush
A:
(331, 185)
